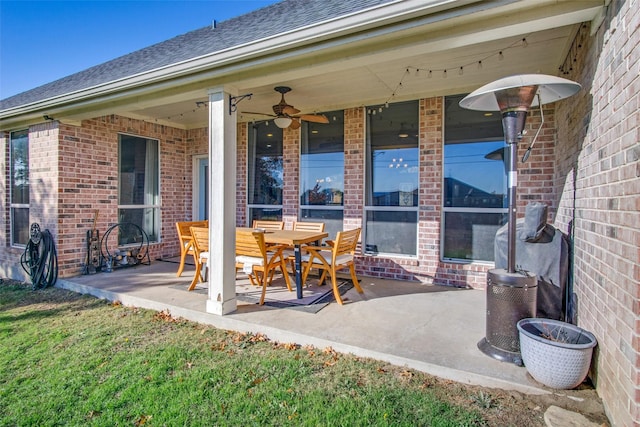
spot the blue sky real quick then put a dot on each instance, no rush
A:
(42, 41)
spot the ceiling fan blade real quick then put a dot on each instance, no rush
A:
(295, 124)
(258, 114)
(289, 110)
(315, 118)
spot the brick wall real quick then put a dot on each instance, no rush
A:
(597, 181)
(291, 176)
(88, 182)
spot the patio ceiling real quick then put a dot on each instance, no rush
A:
(366, 67)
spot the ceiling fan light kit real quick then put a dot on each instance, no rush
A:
(282, 122)
(287, 116)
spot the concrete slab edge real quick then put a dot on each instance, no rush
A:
(280, 335)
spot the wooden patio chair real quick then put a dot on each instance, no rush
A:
(302, 226)
(186, 241)
(200, 239)
(253, 257)
(335, 258)
(268, 225)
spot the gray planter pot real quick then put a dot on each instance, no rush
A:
(555, 353)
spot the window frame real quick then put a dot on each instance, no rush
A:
(13, 206)
(304, 135)
(251, 135)
(368, 186)
(461, 209)
(157, 205)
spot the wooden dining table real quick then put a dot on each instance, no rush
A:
(295, 238)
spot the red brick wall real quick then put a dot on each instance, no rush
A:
(88, 181)
(241, 175)
(354, 124)
(291, 176)
(597, 181)
(43, 192)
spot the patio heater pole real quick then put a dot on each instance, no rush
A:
(512, 294)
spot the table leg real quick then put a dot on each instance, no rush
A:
(298, 256)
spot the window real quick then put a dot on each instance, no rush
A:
(139, 189)
(19, 183)
(265, 174)
(475, 188)
(392, 178)
(322, 172)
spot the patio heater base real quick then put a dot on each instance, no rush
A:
(510, 298)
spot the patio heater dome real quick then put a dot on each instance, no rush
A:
(511, 294)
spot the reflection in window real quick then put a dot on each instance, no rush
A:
(139, 189)
(19, 185)
(322, 172)
(265, 173)
(322, 161)
(475, 193)
(392, 180)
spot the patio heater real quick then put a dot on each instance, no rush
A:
(511, 293)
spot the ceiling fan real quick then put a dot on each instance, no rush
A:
(286, 116)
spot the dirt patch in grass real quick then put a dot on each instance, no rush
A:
(329, 369)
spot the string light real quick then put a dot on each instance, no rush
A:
(572, 55)
(445, 71)
(479, 63)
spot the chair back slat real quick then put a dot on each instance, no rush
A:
(268, 225)
(184, 227)
(200, 238)
(346, 243)
(308, 226)
(250, 243)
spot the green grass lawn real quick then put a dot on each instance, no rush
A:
(68, 359)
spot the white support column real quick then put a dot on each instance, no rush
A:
(222, 204)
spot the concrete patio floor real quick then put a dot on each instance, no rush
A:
(434, 329)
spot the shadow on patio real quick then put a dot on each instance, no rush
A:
(433, 329)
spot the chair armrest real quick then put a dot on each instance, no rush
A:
(311, 248)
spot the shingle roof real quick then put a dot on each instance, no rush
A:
(269, 21)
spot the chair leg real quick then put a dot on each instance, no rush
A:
(183, 255)
(285, 273)
(264, 287)
(336, 291)
(196, 278)
(323, 276)
(354, 279)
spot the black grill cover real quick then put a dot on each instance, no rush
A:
(544, 253)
